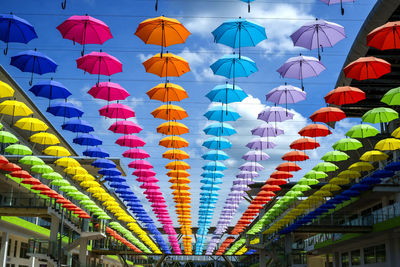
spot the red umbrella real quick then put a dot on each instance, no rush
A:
(130, 141)
(117, 111)
(385, 37)
(10, 167)
(271, 188)
(263, 193)
(99, 63)
(367, 68)
(304, 144)
(52, 194)
(20, 174)
(328, 114)
(32, 181)
(295, 156)
(3, 160)
(315, 130)
(108, 91)
(274, 181)
(288, 167)
(125, 127)
(344, 95)
(41, 187)
(281, 175)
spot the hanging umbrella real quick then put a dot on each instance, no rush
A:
(219, 129)
(226, 93)
(388, 144)
(125, 127)
(7, 137)
(17, 149)
(347, 174)
(31, 160)
(33, 62)
(136, 153)
(177, 165)
(347, 144)
(31, 124)
(10, 167)
(362, 131)
(255, 155)
(84, 30)
(130, 141)
(251, 166)
(67, 162)
(325, 167)
(315, 130)
(20, 174)
(334, 156)
(301, 67)
(108, 91)
(64, 109)
(304, 144)
(367, 68)
(385, 37)
(95, 152)
(361, 167)
(331, 2)
(51, 90)
(275, 114)
(215, 155)
(214, 166)
(260, 143)
(392, 97)
(232, 66)
(396, 133)
(339, 181)
(267, 130)
(288, 167)
(57, 151)
(315, 175)
(166, 65)
(117, 111)
(317, 35)
(42, 169)
(169, 112)
(77, 126)
(248, 4)
(99, 63)
(172, 128)
(378, 115)
(328, 114)
(166, 92)
(286, 94)
(173, 142)
(44, 138)
(14, 108)
(295, 156)
(85, 139)
(5, 89)
(344, 95)
(140, 164)
(221, 114)
(281, 175)
(110, 172)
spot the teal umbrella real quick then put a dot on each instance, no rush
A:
(7, 137)
(17, 149)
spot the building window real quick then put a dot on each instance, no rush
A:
(15, 248)
(23, 266)
(345, 259)
(369, 255)
(375, 254)
(380, 252)
(355, 257)
(23, 251)
(9, 248)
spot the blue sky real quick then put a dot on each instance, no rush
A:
(280, 19)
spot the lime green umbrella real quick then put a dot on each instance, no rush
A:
(104, 217)
(307, 181)
(315, 175)
(1, 126)
(299, 187)
(87, 202)
(347, 144)
(68, 188)
(42, 168)
(17, 149)
(362, 131)
(52, 176)
(378, 115)
(31, 160)
(61, 182)
(392, 97)
(335, 156)
(77, 195)
(7, 137)
(325, 167)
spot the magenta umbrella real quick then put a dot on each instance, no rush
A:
(130, 141)
(99, 63)
(150, 179)
(117, 111)
(108, 91)
(144, 173)
(85, 30)
(125, 127)
(149, 186)
(140, 164)
(136, 153)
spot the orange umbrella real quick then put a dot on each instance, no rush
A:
(266, 194)
(183, 205)
(268, 187)
(180, 187)
(177, 165)
(315, 130)
(169, 112)
(367, 68)
(176, 180)
(172, 128)
(178, 173)
(281, 175)
(166, 92)
(166, 65)
(173, 142)
(295, 156)
(181, 193)
(304, 144)
(276, 181)
(182, 199)
(288, 167)
(175, 154)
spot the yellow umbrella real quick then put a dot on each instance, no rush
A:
(172, 128)
(44, 138)
(169, 112)
(175, 154)
(396, 133)
(6, 90)
(75, 170)
(111, 203)
(57, 151)
(31, 124)
(361, 166)
(83, 177)
(96, 190)
(349, 174)
(67, 162)
(166, 92)
(176, 180)
(339, 181)
(323, 193)
(89, 184)
(388, 144)
(373, 155)
(102, 196)
(178, 173)
(15, 108)
(330, 187)
(173, 142)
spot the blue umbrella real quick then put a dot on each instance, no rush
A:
(51, 90)
(211, 181)
(219, 129)
(221, 114)
(119, 185)
(110, 172)
(215, 155)
(226, 93)
(209, 193)
(77, 126)
(33, 62)
(248, 4)
(212, 174)
(370, 180)
(217, 143)
(103, 163)
(350, 193)
(117, 179)
(14, 29)
(86, 139)
(232, 66)
(96, 152)
(387, 172)
(121, 191)
(393, 166)
(214, 166)
(360, 187)
(64, 109)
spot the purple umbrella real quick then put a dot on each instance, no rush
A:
(246, 181)
(275, 114)
(247, 174)
(255, 155)
(251, 166)
(241, 187)
(260, 144)
(331, 2)
(318, 34)
(301, 67)
(266, 130)
(286, 94)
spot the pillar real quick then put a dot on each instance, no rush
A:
(82, 251)
(32, 262)
(4, 248)
(54, 226)
(263, 258)
(336, 259)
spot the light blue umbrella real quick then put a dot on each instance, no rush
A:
(219, 129)
(222, 113)
(211, 181)
(248, 4)
(212, 174)
(226, 93)
(214, 166)
(209, 187)
(215, 155)
(232, 66)
(208, 193)
(217, 143)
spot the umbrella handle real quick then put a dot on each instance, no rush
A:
(156, 7)
(64, 4)
(5, 50)
(341, 7)
(248, 7)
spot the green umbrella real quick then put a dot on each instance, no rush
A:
(1, 126)
(31, 160)
(306, 181)
(315, 175)
(7, 137)
(87, 202)
(68, 188)
(104, 217)
(346, 144)
(42, 168)
(78, 195)
(61, 182)
(335, 156)
(299, 187)
(362, 131)
(18, 149)
(378, 115)
(52, 176)
(325, 167)
(392, 97)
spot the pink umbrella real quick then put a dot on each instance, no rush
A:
(136, 153)
(149, 186)
(150, 179)
(117, 111)
(99, 63)
(144, 173)
(152, 192)
(140, 164)
(85, 30)
(125, 127)
(130, 141)
(108, 91)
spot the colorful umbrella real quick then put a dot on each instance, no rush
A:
(388, 144)
(226, 93)
(331, 2)
(108, 91)
(99, 63)
(17, 149)
(169, 112)
(125, 127)
(177, 165)
(315, 175)
(221, 114)
(31, 160)
(215, 155)
(166, 92)
(42, 169)
(347, 174)
(219, 129)
(286, 94)
(288, 167)
(361, 167)
(136, 153)
(267, 130)
(347, 144)
(7, 137)
(255, 155)
(173, 142)
(367, 68)
(344, 95)
(260, 143)
(130, 141)
(57, 151)
(328, 114)
(96, 152)
(51, 90)
(44, 138)
(396, 133)
(77, 126)
(378, 115)
(86, 139)
(64, 109)
(232, 66)
(117, 111)
(5, 89)
(362, 131)
(67, 162)
(275, 114)
(84, 30)
(14, 108)
(172, 128)
(392, 97)
(315, 130)
(295, 156)
(334, 156)
(304, 144)
(385, 37)
(31, 124)
(166, 65)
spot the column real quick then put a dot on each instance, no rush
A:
(32, 262)
(263, 258)
(4, 247)
(82, 252)
(55, 224)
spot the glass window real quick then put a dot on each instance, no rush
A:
(380, 252)
(15, 248)
(369, 255)
(355, 257)
(23, 251)
(9, 248)
(345, 259)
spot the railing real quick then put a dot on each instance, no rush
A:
(51, 249)
(22, 200)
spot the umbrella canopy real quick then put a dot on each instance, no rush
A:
(219, 129)
(7, 137)
(226, 93)
(214, 166)
(50, 89)
(222, 113)
(232, 66)
(315, 130)
(385, 37)
(169, 112)
(166, 65)
(378, 115)
(328, 114)
(125, 127)
(177, 165)
(173, 142)
(117, 111)
(172, 128)
(275, 114)
(64, 109)
(136, 153)
(347, 144)
(6, 90)
(99, 63)
(44, 138)
(42, 169)
(392, 97)
(288, 167)
(344, 95)
(286, 94)
(57, 151)
(335, 156)
(374, 155)
(331, 2)
(130, 141)
(166, 92)
(362, 131)
(140, 164)
(31, 160)
(15, 108)
(367, 68)
(77, 126)
(295, 156)
(388, 144)
(95, 152)
(267, 130)
(215, 155)
(260, 143)
(31, 124)
(361, 167)
(315, 175)
(17, 149)
(255, 155)
(108, 91)
(304, 144)
(67, 162)
(86, 139)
